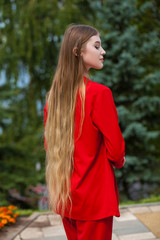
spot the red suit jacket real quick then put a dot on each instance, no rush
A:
(99, 148)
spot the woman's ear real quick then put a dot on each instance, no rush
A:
(75, 51)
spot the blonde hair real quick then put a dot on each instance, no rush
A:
(61, 102)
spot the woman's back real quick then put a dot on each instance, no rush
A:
(83, 140)
(98, 147)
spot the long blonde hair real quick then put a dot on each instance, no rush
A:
(61, 102)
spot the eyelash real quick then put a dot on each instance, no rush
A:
(97, 47)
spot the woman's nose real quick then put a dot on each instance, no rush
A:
(103, 52)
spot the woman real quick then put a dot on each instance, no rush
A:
(83, 140)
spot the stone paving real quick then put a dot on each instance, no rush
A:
(127, 227)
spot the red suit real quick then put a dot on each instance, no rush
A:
(99, 148)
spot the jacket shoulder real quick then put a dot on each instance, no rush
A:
(97, 88)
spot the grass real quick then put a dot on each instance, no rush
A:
(151, 199)
(28, 212)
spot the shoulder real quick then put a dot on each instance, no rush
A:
(96, 89)
(99, 94)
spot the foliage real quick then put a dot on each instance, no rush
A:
(8, 215)
(30, 33)
(28, 212)
(151, 199)
(131, 70)
(30, 37)
(123, 202)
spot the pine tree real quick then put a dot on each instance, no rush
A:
(131, 71)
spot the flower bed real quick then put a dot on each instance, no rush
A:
(8, 215)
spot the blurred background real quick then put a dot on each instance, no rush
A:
(30, 36)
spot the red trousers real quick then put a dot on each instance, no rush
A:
(88, 230)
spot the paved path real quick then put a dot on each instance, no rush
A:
(127, 227)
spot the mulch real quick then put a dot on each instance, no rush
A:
(151, 220)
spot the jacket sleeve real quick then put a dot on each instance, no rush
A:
(105, 118)
(45, 120)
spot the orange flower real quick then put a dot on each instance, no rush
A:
(12, 207)
(12, 220)
(2, 215)
(4, 221)
(9, 212)
(1, 209)
(15, 215)
(4, 209)
(7, 217)
(1, 225)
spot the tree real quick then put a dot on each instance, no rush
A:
(131, 71)
(31, 33)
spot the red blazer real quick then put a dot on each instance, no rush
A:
(99, 148)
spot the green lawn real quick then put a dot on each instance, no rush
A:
(152, 199)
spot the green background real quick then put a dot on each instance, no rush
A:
(30, 36)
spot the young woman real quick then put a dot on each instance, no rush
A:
(83, 140)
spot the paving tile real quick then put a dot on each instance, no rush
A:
(125, 216)
(155, 208)
(17, 238)
(53, 231)
(58, 238)
(128, 227)
(155, 239)
(52, 238)
(114, 237)
(55, 219)
(31, 233)
(139, 209)
(42, 218)
(49, 238)
(123, 210)
(41, 221)
(137, 236)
